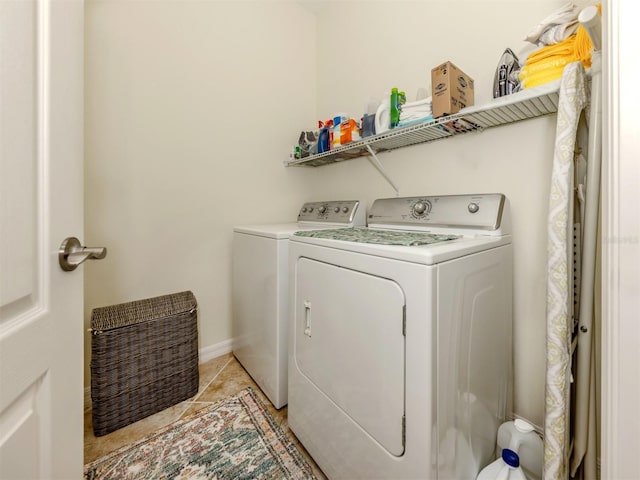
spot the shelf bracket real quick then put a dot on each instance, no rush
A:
(376, 163)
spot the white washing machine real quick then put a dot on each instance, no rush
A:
(400, 339)
(260, 289)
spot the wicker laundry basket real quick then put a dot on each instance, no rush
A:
(144, 358)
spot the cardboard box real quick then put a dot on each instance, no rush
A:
(451, 89)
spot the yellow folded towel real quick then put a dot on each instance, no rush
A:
(547, 63)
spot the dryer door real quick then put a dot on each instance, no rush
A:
(349, 342)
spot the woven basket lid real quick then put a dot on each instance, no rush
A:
(139, 311)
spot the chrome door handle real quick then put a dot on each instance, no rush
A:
(72, 253)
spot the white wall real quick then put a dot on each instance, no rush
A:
(192, 106)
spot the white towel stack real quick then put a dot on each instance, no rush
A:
(414, 112)
(557, 27)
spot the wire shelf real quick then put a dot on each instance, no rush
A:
(519, 106)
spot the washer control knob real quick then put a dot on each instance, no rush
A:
(345, 209)
(422, 207)
(473, 207)
(310, 209)
(336, 209)
(304, 209)
(322, 209)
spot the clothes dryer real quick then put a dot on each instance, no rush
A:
(260, 288)
(400, 339)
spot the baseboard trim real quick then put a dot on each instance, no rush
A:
(216, 350)
(205, 354)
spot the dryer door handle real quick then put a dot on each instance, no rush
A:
(307, 318)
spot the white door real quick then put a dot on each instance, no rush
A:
(41, 197)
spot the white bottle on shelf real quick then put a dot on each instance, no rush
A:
(505, 468)
(520, 437)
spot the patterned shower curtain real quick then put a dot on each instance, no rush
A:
(572, 100)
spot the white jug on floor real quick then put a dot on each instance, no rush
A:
(505, 468)
(520, 437)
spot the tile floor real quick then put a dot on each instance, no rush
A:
(219, 378)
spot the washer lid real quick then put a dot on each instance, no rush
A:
(277, 231)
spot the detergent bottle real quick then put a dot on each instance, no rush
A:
(337, 122)
(394, 112)
(520, 437)
(323, 138)
(507, 467)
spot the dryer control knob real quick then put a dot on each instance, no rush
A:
(345, 209)
(336, 209)
(473, 207)
(420, 208)
(322, 209)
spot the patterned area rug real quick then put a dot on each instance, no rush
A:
(236, 439)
